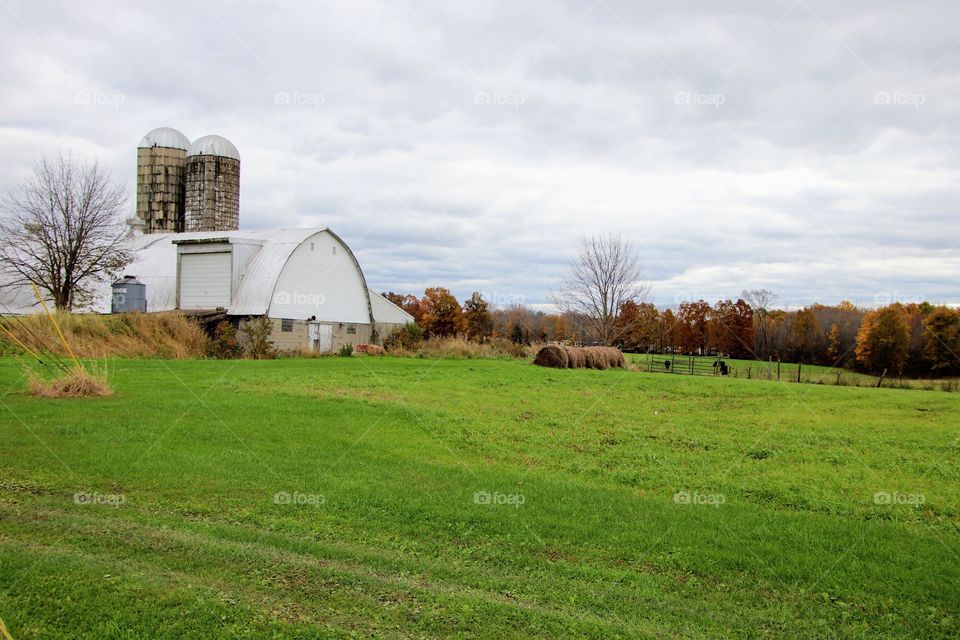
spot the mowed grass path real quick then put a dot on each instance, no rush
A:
(387, 456)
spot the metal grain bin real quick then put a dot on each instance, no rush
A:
(129, 294)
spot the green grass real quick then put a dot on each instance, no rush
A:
(387, 455)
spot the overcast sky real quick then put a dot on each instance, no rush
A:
(810, 147)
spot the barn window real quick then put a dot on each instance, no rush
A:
(286, 325)
(352, 328)
(334, 248)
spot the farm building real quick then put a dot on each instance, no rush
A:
(306, 280)
(191, 256)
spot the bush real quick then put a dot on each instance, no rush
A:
(346, 351)
(409, 337)
(258, 345)
(224, 344)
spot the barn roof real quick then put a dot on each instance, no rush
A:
(156, 266)
(267, 252)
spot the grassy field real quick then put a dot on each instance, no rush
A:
(393, 497)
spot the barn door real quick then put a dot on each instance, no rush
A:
(326, 338)
(205, 280)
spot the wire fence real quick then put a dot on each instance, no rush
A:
(715, 365)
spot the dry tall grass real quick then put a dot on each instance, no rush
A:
(462, 348)
(139, 335)
(75, 383)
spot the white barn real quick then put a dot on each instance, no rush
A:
(307, 281)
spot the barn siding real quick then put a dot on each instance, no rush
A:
(321, 279)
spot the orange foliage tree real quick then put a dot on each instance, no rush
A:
(442, 314)
(884, 339)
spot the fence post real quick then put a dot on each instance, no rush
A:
(749, 371)
(799, 365)
(882, 376)
(778, 369)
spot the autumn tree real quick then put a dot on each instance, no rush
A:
(476, 317)
(691, 326)
(63, 230)
(884, 339)
(409, 303)
(667, 331)
(442, 314)
(833, 343)
(943, 340)
(604, 274)
(806, 334)
(731, 328)
(556, 327)
(640, 324)
(761, 302)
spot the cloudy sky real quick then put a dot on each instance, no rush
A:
(810, 147)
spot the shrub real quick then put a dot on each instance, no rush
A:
(225, 344)
(409, 337)
(258, 345)
(346, 351)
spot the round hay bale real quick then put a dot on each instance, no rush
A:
(551, 355)
(596, 358)
(614, 357)
(575, 357)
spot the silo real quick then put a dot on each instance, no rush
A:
(161, 162)
(129, 294)
(213, 185)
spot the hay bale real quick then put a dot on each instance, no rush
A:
(575, 358)
(596, 358)
(613, 356)
(553, 356)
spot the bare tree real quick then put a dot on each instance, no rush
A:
(605, 273)
(760, 300)
(62, 229)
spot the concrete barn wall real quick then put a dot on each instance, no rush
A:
(298, 338)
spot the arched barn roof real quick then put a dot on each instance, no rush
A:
(289, 273)
(261, 257)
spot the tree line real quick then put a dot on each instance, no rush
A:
(914, 339)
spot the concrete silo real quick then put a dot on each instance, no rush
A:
(161, 163)
(212, 201)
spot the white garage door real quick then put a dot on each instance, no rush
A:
(204, 280)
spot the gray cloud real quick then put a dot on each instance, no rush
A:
(809, 147)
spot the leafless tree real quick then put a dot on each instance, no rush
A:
(62, 229)
(605, 273)
(761, 301)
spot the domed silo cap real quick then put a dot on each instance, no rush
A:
(165, 137)
(214, 146)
